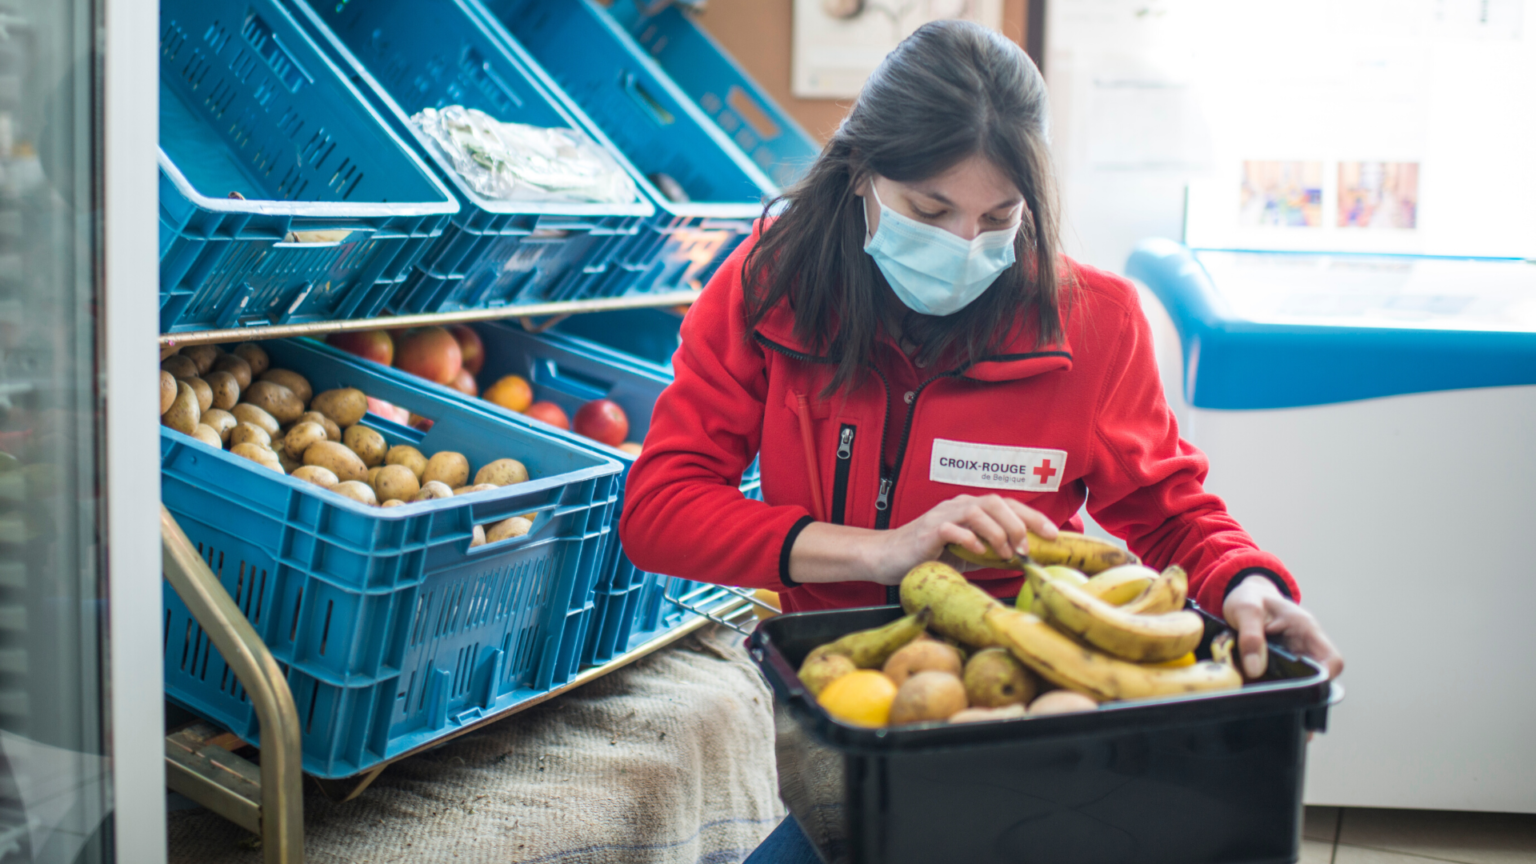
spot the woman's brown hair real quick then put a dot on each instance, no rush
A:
(951, 90)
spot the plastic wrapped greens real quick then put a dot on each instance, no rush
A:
(517, 162)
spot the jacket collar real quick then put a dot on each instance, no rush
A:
(1018, 359)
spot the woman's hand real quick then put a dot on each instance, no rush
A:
(974, 522)
(1257, 609)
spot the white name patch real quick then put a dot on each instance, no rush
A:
(1026, 469)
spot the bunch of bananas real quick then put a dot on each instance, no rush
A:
(1089, 619)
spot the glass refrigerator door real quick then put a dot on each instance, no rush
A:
(57, 771)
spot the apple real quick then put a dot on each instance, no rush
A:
(464, 382)
(372, 345)
(548, 412)
(380, 408)
(603, 421)
(431, 353)
(470, 347)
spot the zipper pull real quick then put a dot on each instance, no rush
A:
(845, 443)
(883, 500)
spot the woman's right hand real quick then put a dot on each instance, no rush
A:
(974, 522)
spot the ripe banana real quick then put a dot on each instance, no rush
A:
(1026, 599)
(1075, 550)
(1167, 593)
(1118, 586)
(1141, 638)
(869, 649)
(963, 611)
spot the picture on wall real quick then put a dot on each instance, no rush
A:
(1378, 195)
(1281, 194)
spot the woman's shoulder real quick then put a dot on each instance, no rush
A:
(1097, 288)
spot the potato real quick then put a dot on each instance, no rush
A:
(236, 367)
(477, 537)
(222, 421)
(357, 491)
(345, 405)
(502, 472)
(180, 367)
(410, 457)
(367, 443)
(258, 454)
(983, 715)
(249, 433)
(292, 380)
(338, 457)
(926, 697)
(431, 491)
(167, 390)
(226, 390)
(322, 477)
(289, 463)
(393, 502)
(506, 529)
(332, 431)
(254, 355)
(922, 655)
(447, 467)
(478, 487)
(208, 435)
(395, 481)
(1061, 702)
(202, 355)
(184, 413)
(275, 399)
(245, 412)
(203, 391)
(372, 473)
(301, 436)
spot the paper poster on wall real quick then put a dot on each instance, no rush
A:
(838, 43)
(1281, 195)
(1378, 195)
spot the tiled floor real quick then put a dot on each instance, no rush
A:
(1346, 835)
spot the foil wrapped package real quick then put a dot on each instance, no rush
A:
(518, 162)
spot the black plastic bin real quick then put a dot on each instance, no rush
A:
(1213, 779)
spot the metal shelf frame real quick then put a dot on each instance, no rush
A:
(527, 310)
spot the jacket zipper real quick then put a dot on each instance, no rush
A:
(888, 483)
(845, 438)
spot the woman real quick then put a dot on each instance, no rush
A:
(918, 365)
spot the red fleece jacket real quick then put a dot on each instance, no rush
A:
(1083, 420)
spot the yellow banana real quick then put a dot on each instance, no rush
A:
(1167, 593)
(1177, 662)
(1077, 551)
(1141, 638)
(965, 612)
(869, 649)
(1118, 586)
(1058, 571)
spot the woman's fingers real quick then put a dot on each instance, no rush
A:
(1033, 519)
(994, 510)
(1250, 620)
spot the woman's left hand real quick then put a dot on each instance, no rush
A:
(1258, 610)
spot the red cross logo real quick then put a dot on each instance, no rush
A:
(1045, 472)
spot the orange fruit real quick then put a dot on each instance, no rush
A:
(511, 392)
(862, 698)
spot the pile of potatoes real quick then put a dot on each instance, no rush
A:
(274, 418)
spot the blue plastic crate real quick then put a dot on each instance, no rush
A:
(718, 84)
(393, 632)
(658, 126)
(262, 140)
(645, 336)
(407, 55)
(570, 372)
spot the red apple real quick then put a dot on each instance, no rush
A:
(464, 382)
(470, 346)
(431, 353)
(603, 421)
(372, 345)
(380, 408)
(548, 412)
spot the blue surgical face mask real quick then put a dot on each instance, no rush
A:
(931, 270)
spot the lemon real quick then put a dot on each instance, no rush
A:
(862, 698)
